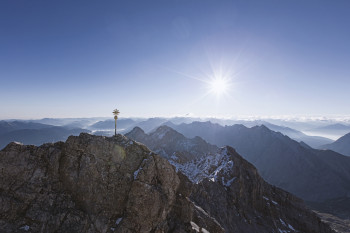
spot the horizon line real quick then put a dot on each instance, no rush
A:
(296, 117)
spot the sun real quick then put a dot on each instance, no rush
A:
(219, 85)
(218, 81)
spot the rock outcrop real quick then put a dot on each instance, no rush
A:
(100, 184)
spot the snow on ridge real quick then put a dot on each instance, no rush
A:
(18, 143)
(197, 170)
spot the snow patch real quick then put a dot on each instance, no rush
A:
(118, 221)
(197, 228)
(137, 172)
(283, 223)
(275, 203)
(19, 143)
(25, 227)
(225, 166)
(291, 227)
(194, 226)
(229, 182)
(200, 209)
(267, 199)
(140, 168)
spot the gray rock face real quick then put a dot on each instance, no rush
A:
(99, 184)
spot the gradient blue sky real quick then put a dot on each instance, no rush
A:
(85, 58)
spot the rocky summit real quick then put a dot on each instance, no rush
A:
(114, 184)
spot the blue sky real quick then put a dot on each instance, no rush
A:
(150, 58)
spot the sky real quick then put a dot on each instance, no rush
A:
(157, 58)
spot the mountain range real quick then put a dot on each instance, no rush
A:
(106, 127)
(314, 175)
(34, 133)
(294, 129)
(8, 126)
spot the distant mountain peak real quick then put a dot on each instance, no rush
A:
(262, 127)
(208, 123)
(165, 130)
(137, 130)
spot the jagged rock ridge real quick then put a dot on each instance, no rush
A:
(99, 184)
